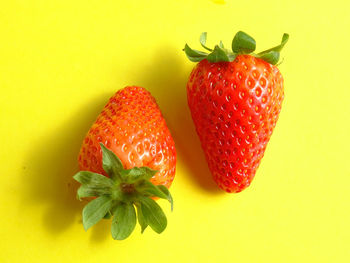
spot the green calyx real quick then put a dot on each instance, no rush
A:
(242, 43)
(119, 194)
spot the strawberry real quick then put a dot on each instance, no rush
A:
(235, 99)
(127, 159)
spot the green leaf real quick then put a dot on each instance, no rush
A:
(146, 187)
(86, 177)
(278, 48)
(203, 40)
(96, 210)
(221, 44)
(194, 55)
(88, 191)
(271, 57)
(137, 173)
(111, 163)
(93, 184)
(153, 214)
(124, 221)
(141, 218)
(243, 43)
(167, 193)
(218, 55)
(284, 41)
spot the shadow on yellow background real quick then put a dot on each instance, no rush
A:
(51, 165)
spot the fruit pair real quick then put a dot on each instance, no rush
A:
(128, 157)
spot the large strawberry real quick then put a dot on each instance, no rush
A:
(235, 99)
(127, 158)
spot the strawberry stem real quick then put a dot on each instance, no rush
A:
(118, 194)
(127, 188)
(242, 43)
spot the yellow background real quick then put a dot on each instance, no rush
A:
(61, 60)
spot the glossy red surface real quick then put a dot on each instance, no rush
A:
(235, 106)
(132, 126)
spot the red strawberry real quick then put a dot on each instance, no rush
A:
(127, 158)
(235, 100)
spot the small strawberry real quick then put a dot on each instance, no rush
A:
(127, 158)
(235, 99)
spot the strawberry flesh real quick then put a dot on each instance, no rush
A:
(235, 106)
(132, 126)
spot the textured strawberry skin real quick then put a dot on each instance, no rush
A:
(235, 106)
(132, 126)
